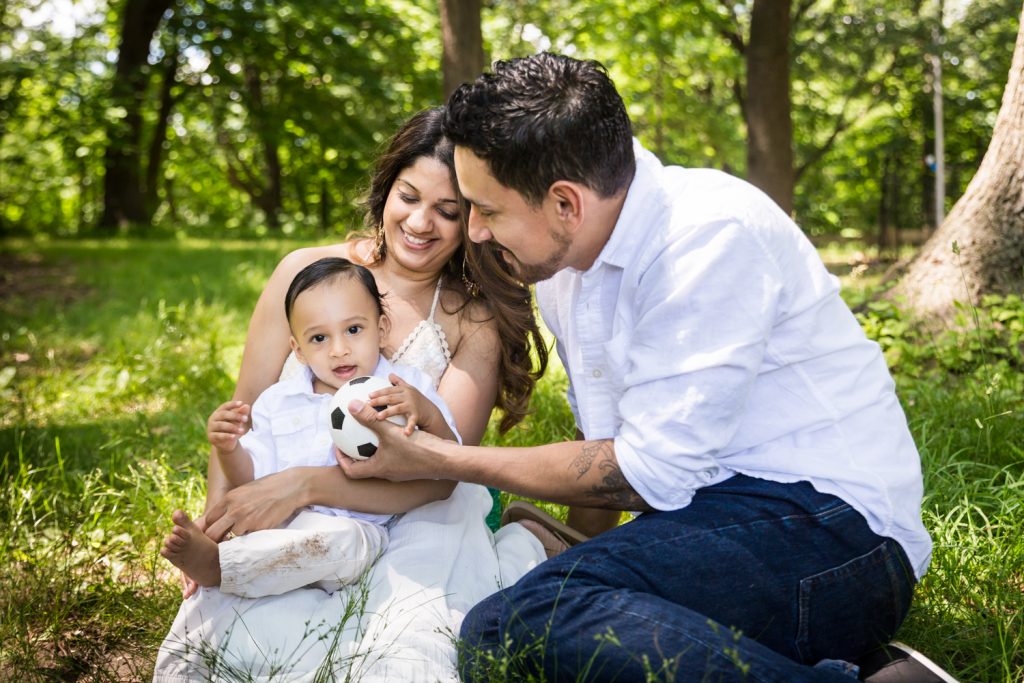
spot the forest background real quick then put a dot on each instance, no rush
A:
(157, 157)
(147, 117)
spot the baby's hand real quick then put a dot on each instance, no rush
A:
(226, 424)
(400, 399)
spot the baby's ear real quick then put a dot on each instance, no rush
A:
(297, 350)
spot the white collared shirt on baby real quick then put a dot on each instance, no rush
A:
(292, 426)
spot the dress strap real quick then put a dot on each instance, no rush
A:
(437, 295)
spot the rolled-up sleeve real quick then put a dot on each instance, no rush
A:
(704, 308)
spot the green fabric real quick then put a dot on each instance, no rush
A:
(494, 516)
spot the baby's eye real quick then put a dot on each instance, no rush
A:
(355, 329)
(318, 338)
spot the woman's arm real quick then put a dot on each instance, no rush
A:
(470, 384)
(269, 501)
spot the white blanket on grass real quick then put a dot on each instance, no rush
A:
(399, 624)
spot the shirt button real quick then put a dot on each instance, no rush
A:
(596, 373)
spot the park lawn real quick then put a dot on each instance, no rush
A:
(113, 353)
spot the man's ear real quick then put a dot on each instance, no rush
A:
(298, 352)
(567, 198)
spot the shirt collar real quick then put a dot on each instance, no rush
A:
(299, 384)
(633, 222)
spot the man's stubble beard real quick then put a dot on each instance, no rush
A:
(530, 274)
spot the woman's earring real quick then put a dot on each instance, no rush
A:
(378, 243)
(471, 287)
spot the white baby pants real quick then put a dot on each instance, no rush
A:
(315, 549)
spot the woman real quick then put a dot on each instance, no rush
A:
(459, 316)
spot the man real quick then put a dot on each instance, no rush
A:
(722, 388)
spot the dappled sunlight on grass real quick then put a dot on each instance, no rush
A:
(105, 394)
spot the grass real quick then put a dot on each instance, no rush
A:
(113, 353)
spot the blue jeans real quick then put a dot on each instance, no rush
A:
(754, 580)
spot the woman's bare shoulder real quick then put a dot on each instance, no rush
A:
(296, 260)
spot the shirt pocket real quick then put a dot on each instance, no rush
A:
(294, 432)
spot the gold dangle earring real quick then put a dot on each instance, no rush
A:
(472, 288)
(378, 243)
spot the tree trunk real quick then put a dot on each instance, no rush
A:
(462, 57)
(268, 197)
(154, 160)
(123, 199)
(986, 225)
(769, 125)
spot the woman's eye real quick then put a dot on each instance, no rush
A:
(448, 215)
(318, 338)
(407, 198)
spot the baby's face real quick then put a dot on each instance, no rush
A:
(337, 331)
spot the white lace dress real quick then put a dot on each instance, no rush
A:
(399, 624)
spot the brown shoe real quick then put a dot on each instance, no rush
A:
(554, 535)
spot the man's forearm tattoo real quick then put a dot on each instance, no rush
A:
(614, 492)
(582, 462)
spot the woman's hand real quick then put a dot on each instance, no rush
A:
(262, 504)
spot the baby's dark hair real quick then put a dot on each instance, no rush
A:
(325, 270)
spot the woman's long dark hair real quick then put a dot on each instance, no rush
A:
(475, 272)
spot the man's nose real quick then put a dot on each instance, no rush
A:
(474, 226)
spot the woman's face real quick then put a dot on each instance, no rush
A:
(421, 217)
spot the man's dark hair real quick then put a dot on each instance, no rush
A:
(536, 120)
(327, 269)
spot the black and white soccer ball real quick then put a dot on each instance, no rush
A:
(352, 438)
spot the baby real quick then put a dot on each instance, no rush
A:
(337, 324)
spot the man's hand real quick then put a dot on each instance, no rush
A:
(399, 457)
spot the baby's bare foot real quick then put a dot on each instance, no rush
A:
(191, 551)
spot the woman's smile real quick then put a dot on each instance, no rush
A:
(414, 242)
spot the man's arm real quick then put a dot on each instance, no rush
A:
(592, 521)
(584, 473)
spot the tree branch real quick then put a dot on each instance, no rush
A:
(801, 10)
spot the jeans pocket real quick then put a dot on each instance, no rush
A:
(849, 609)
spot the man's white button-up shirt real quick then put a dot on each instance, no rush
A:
(708, 339)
